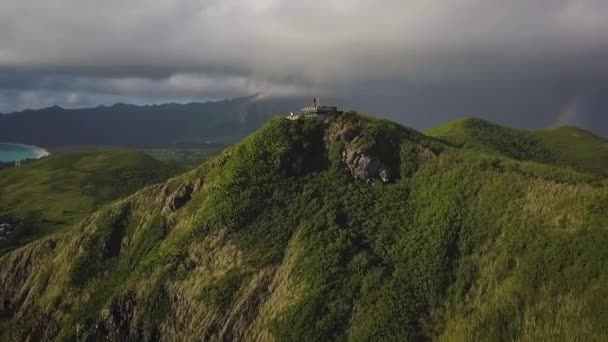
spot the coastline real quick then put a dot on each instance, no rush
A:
(36, 151)
(41, 152)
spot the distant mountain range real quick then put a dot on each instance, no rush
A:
(153, 125)
(226, 121)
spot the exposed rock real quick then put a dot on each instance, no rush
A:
(365, 167)
(115, 324)
(361, 163)
(180, 196)
(386, 175)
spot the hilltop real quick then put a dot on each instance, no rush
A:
(566, 146)
(577, 147)
(54, 193)
(358, 229)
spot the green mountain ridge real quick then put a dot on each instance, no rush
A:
(358, 229)
(567, 146)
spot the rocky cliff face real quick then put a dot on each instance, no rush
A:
(174, 199)
(370, 154)
(115, 322)
(366, 167)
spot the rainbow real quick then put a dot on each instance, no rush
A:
(568, 113)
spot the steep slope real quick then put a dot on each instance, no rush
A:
(567, 146)
(58, 191)
(357, 229)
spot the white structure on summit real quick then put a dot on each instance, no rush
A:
(316, 111)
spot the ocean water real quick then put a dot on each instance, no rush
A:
(17, 152)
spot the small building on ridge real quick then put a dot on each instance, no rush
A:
(316, 111)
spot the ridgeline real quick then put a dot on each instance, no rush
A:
(356, 229)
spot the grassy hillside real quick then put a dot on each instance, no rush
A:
(359, 229)
(58, 191)
(577, 147)
(567, 146)
(187, 157)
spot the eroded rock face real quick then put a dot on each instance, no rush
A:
(356, 155)
(116, 320)
(178, 198)
(366, 167)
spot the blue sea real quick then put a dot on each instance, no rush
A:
(17, 152)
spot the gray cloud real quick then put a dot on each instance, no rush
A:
(83, 52)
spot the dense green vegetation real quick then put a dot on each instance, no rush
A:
(566, 146)
(577, 147)
(481, 236)
(56, 192)
(187, 157)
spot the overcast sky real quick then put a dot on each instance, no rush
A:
(520, 62)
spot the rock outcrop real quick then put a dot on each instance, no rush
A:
(179, 197)
(116, 321)
(365, 167)
(360, 161)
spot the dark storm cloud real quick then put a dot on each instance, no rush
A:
(511, 51)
